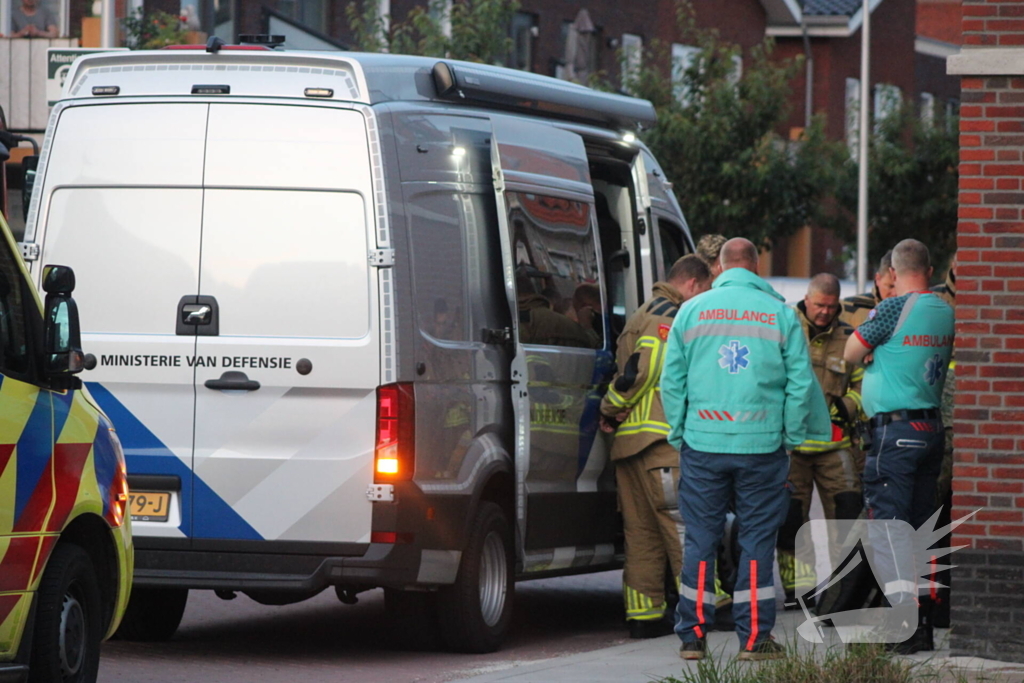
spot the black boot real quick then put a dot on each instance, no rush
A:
(922, 640)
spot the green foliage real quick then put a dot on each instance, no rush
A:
(912, 186)
(717, 139)
(154, 30)
(479, 29)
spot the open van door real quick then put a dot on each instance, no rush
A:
(565, 495)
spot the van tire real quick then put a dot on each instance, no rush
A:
(69, 622)
(153, 614)
(476, 610)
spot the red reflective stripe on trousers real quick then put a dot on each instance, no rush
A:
(700, 593)
(698, 631)
(932, 587)
(753, 605)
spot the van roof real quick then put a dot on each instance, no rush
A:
(348, 76)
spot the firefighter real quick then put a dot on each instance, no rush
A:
(646, 467)
(857, 307)
(828, 466)
(910, 337)
(739, 392)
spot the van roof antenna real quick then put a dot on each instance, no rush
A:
(214, 44)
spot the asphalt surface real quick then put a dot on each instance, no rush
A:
(324, 640)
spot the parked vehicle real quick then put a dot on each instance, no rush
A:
(353, 315)
(65, 543)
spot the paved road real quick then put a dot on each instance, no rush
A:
(324, 640)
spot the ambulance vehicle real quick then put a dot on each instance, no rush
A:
(353, 315)
(65, 541)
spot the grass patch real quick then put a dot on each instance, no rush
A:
(864, 663)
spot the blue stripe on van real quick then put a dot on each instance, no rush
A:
(146, 454)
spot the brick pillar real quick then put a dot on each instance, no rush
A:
(988, 603)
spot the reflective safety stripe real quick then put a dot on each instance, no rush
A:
(811, 446)
(691, 594)
(640, 606)
(733, 416)
(762, 592)
(648, 427)
(901, 586)
(752, 598)
(732, 330)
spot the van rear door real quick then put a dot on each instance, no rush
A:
(123, 207)
(286, 374)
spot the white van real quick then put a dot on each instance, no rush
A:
(353, 315)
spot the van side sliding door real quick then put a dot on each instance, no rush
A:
(565, 496)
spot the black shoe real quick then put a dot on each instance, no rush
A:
(791, 604)
(766, 649)
(649, 628)
(921, 641)
(693, 649)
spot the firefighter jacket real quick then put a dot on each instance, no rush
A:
(640, 356)
(538, 324)
(839, 380)
(737, 376)
(856, 308)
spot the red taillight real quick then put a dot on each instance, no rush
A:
(395, 457)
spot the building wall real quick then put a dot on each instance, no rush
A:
(988, 607)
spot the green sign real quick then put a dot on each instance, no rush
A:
(58, 64)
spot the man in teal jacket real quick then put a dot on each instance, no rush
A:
(739, 392)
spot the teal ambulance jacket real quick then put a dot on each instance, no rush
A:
(737, 375)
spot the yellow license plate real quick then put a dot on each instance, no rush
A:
(150, 506)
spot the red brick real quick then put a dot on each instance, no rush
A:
(1008, 387)
(976, 472)
(1005, 271)
(974, 212)
(992, 111)
(1006, 184)
(1000, 428)
(1011, 11)
(976, 39)
(1010, 126)
(973, 241)
(1013, 402)
(970, 169)
(1003, 169)
(976, 183)
(980, 10)
(993, 285)
(972, 385)
(1006, 445)
(991, 400)
(971, 198)
(976, 25)
(981, 270)
(977, 154)
(972, 111)
(1000, 487)
(975, 328)
(974, 299)
(999, 516)
(968, 442)
(977, 126)
(1015, 342)
(998, 25)
(1006, 529)
(970, 141)
(992, 314)
(973, 530)
(1010, 39)
(1009, 154)
(972, 83)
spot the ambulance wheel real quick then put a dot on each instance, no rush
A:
(153, 614)
(69, 624)
(476, 610)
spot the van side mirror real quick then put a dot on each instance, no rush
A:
(62, 335)
(28, 181)
(5, 153)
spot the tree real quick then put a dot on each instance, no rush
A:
(479, 29)
(718, 142)
(912, 185)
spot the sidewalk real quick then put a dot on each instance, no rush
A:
(642, 661)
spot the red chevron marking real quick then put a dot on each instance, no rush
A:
(7, 603)
(16, 566)
(70, 460)
(5, 455)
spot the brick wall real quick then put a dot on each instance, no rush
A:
(988, 608)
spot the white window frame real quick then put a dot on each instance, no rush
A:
(384, 14)
(632, 57)
(853, 115)
(445, 20)
(737, 69)
(928, 109)
(683, 57)
(888, 99)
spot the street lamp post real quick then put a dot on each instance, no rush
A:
(108, 25)
(864, 132)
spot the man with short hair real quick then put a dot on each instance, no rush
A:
(826, 465)
(29, 20)
(646, 466)
(911, 339)
(739, 392)
(857, 307)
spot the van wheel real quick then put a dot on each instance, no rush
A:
(153, 614)
(68, 627)
(476, 610)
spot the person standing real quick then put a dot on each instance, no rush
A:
(709, 247)
(827, 465)
(646, 467)
(29, 20)
(739, 392)
(911, 339)
(857, 307)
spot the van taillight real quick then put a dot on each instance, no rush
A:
(396, 433)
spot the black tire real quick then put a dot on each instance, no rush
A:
(69, 623)
(476, 610)
(153, 614)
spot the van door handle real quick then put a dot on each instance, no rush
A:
(232, 380)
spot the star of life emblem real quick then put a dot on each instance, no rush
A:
(899, 559)
(933, 369)
(733, 357)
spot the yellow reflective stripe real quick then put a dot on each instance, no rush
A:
(811, 446)
(952, 365)
(615, 398)
(857, 375)
(646, 427)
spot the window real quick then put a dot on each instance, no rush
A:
(439, 260)
(952, 113)
(14, 351)
(558, 281)
(48, 13)
(632, 58)
(683, 57)
(524, 30)
(441, 12)
(671, 251)
(928, 109)
(888, 99)
(737, 70)
(852, 114)
(581, 49)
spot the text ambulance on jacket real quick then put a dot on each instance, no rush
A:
(704, 387)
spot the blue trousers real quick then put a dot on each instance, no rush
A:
(707, 484)
(900, 475)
